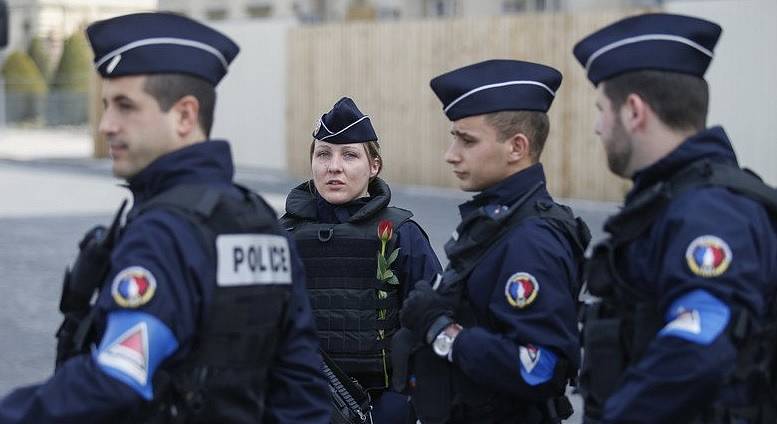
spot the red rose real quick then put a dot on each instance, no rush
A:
(385, 230)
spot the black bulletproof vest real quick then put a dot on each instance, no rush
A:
(619, 327)
(341, 262)
(224, 378)
(443, 392)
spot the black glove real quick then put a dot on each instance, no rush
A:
(422, 308)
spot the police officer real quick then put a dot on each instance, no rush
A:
(684, 327)
(201, 314)
(342, 224)
(498, 330)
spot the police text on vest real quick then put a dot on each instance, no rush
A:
(245, 259)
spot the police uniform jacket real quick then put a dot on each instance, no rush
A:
(709, 254)
(522, 298)
(164, 247)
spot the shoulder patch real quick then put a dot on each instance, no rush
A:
(521, 289)
(708, 256)
(133, 287)
(128, 353)
(537, 364)
(248, 259)
(133, 346)
(697, 316)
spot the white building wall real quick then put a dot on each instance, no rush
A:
(480, 8)
(743, 77)
(251, 103)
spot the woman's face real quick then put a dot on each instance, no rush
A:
(342, 172)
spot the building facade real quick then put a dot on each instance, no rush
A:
(322, 11)
(55, 20)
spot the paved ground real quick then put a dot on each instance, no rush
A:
(51, 194)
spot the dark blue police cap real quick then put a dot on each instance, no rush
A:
(658, 41)
(496, 85)
(156, 43)
(344, 124)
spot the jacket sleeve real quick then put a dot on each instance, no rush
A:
(297, 389)
(116, 377)
(416, 259)
(704, 266)
(530, 336)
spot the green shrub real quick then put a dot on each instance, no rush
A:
(75, 65)
(40, 53)
(22, 75)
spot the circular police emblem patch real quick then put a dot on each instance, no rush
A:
(521, 289)
(133, 287)
(708, 256)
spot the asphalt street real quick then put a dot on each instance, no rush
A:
(48, 204)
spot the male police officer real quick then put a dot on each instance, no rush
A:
(685, 328)
(502, 322)
(201, 314)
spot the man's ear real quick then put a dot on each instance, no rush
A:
(518, 147)
(187, 110)
(634, 113)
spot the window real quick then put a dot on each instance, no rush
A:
(440, 8)
(259, 10)
(388, 13)
(216, 14)
(515, 6)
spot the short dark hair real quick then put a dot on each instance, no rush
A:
(534, 125)
(679, 100)
(169, 88)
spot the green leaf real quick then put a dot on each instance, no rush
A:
(386, 275)
(393, 256)
(394, 280)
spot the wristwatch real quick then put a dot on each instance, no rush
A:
(443, 344)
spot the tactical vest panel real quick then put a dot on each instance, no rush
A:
(619, 327)
(447, 395)
(354, 324)
(224, 378)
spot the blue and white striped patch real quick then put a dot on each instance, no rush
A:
(697, 317)
(537, 364)
(134, 345)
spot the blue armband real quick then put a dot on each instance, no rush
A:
(134, 345)
(697, 317)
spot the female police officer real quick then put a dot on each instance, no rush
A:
(345, 232)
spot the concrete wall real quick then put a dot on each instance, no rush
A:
(251, 104)
(743, 77)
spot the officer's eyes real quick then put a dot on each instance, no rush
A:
(125, 106)
(351, 155)
(322, 154)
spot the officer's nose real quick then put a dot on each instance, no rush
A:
(336, 164)
(451, 155)
(107, 125)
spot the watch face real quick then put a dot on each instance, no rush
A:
(442, 344)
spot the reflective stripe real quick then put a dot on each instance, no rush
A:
(342, 130)
(641, 38)
(497, 85)
(164, 40)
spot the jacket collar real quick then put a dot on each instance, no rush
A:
(204, 162)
